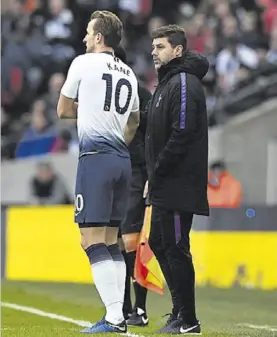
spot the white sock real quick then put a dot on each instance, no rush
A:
(105, 278)
(119, 261)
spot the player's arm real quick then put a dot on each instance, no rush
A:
(183, 111)
(67, 105)
(67, 108)
(133, 122)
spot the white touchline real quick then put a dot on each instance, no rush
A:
(54, 316)
(87, 324)
(258, 327)
(44, 314)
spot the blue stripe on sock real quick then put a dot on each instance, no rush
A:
(115, 252)
(98, 253)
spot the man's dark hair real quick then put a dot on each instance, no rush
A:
(120, 52)
(219, 165)
(109, 25)
(175, 34)
(44, 165)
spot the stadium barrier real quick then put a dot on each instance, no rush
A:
(250, 159)
(230, 248)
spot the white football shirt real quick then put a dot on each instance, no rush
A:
(107, 91)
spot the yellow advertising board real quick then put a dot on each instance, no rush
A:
(225, 259)
(43, 244)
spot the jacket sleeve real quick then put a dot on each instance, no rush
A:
(182, 110)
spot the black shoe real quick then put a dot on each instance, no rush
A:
(127, 315)
(191, 329)
(138, 318)
(170, 323)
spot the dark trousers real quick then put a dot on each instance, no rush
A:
(169, 240)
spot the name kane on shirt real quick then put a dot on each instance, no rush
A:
(114, 66)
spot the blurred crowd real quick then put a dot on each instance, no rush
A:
(47, 187)
(41, 37)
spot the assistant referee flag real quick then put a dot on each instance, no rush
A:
(147, 269)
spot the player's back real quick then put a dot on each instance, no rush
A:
(106, 95)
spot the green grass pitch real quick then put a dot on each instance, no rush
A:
(222, 312)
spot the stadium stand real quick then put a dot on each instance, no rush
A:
(40, 38)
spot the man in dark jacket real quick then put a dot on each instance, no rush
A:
(131, 227)
(177, 165)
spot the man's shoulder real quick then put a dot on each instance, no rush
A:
(223, 55)
(84, 59)
(174, 81)
(183, 82)
(183, 78)
(78, 59)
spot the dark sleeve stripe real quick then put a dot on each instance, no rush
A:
(183, 111)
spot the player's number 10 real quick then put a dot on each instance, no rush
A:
(109, 89)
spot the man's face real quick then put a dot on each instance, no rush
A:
(38, 120)
(217, 172)
(214, 178)
(163, 52)
(56, 82)
(90, 39)
(44, 174)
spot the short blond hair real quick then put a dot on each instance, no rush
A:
(109, 25)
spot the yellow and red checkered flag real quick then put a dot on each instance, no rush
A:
(147, 269)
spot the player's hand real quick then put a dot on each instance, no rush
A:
(145, 191)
